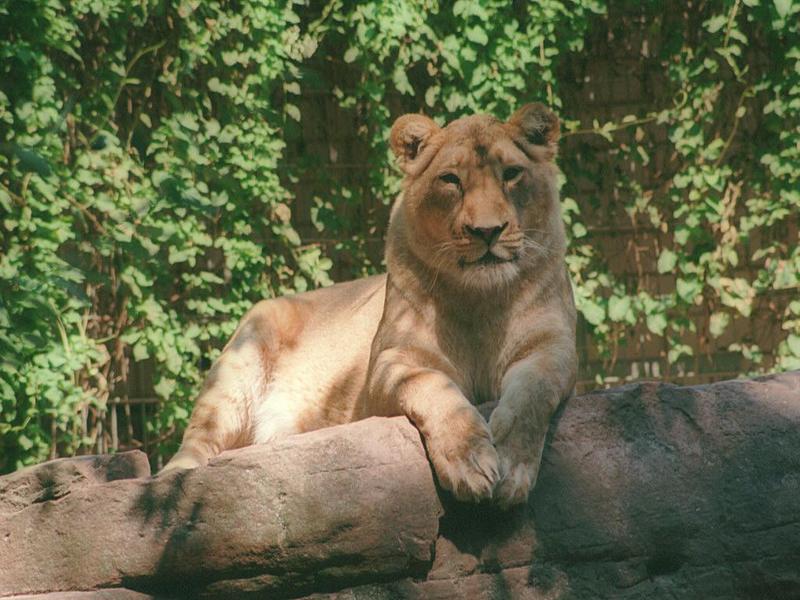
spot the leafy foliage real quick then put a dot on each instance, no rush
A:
(721, 206)
(144, 199)
(143, 211)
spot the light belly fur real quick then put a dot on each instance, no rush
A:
(317, 378)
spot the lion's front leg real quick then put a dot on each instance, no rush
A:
(456, 436)
(461, 451)
(531, 394)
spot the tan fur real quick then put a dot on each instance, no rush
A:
(476, 307)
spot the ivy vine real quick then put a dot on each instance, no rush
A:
(147, 197)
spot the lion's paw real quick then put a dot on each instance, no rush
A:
(500, 423)
(516, 481)
(180, 463)
(519, 448)
(470, 471)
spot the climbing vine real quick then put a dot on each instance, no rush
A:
(143, 208)
(150, 170)
(720, 209)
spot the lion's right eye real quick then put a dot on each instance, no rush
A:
(451, 179)
(511, 173)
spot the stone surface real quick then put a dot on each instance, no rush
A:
(108, 594)
(57, 478)
(647, 491)
(345, 504)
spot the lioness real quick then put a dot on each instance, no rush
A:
(476, 306)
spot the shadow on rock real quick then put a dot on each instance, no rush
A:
(655, 491)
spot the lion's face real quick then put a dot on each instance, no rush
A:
(480, 204)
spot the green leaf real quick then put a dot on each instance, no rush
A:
(793, 342)
(477, 35)
(178, 255)
(718, 323)
(592, 312)
(783, 7)
(401, 82)
(619, 307)
(188, 120)
(164, 388)
(678, 350)
(716, 23)
(688, 289)
(292, 111)
(667, 261)
(431, 95)
(350, 54)
(140, 352)
(657, 323)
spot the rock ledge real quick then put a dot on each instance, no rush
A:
(647, 491)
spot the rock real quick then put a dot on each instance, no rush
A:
(57, 478)
(336, 506)
(511, 584)
(646, 491)
(110, 594)
(659, 491)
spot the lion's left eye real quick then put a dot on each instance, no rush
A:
(451, 179)
(511, 173)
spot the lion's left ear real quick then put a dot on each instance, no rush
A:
(539, 125)
(409, 135)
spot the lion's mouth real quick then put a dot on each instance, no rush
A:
(488, 259)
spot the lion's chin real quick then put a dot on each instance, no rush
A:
(487, 273)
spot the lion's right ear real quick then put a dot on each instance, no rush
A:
(410, 133)
(539, 126)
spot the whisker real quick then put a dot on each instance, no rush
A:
(438, 267)
(438, 259)
(535, 245)
(538, 248)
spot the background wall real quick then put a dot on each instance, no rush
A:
(161, 167)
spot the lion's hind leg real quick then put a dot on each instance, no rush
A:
(237, 385)
(222, 413)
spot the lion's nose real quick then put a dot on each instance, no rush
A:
(487, 234)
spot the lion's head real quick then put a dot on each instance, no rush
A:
(480, 202)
